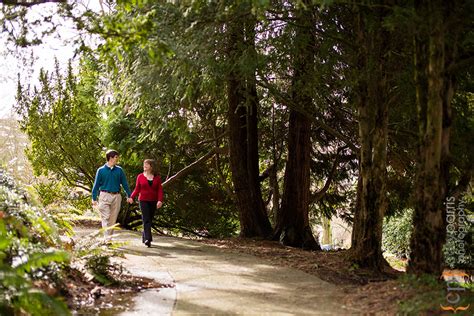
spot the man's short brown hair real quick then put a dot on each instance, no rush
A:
(111, 154)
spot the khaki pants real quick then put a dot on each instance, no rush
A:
(109, 207)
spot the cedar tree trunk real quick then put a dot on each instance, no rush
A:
(292, 227)
(243, 132)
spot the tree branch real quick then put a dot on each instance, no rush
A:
(318, 195)
(27, 3)
(280, 97)
(336, 134)
(193, 165)
(214, 139)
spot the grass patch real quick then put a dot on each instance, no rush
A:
(431, 294)
(396, 263)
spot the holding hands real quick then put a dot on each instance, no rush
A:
(158, 204)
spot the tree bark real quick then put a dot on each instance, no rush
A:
(372, 102)
(275, 192)
(243, 133)
(292, 227)
(434, 91)
(327, 234)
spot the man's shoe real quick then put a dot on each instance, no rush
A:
(148, 243)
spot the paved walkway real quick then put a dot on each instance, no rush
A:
(209, 281)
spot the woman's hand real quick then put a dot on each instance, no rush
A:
(159, 204)
(130, 200)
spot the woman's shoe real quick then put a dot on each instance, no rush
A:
(148, 243)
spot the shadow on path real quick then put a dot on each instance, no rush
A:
(208, 281)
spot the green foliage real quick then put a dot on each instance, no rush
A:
(93, 253)
(462, 131)
(49, 193)
(164, 65)
(171, 107)
(31, 250)
(396, 263)
(54, 194)
(27, 253)
(102, 269)
(198, 205)
(61, 118)
(396, 234)
(430, 292)
(459, 241)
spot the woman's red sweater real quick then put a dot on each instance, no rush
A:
(146, 192)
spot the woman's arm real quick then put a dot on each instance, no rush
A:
(160, 190)
(137, 189)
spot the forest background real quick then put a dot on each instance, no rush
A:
(267, 117)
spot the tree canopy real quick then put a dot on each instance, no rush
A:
(268, 116)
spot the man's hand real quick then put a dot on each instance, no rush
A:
(159, 204)
(94, 203)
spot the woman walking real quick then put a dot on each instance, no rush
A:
(150, 196)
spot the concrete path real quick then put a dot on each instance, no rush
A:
(209, 281)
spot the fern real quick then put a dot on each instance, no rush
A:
(25, 233)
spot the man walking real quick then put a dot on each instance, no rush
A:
(106, 190)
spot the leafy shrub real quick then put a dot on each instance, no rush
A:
(93, 253)
(49, 192)
(27, 253)
(102, 269)
(54, 193)
(396, 233)
(196, 204)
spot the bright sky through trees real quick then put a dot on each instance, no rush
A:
(44, 56)
(10, 67)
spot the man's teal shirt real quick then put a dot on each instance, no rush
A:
(109, 179)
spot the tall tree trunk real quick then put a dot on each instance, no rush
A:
(275, 192)
(292, 227)
(434, 91)
(357, 232)
(372, 105)
(243, 133)
(327, 231)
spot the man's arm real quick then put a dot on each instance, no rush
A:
(135, 192)
(97, 183)
(123, 181)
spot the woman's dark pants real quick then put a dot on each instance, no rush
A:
(148, 209)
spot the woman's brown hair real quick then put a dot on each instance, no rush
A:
(153, 164)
